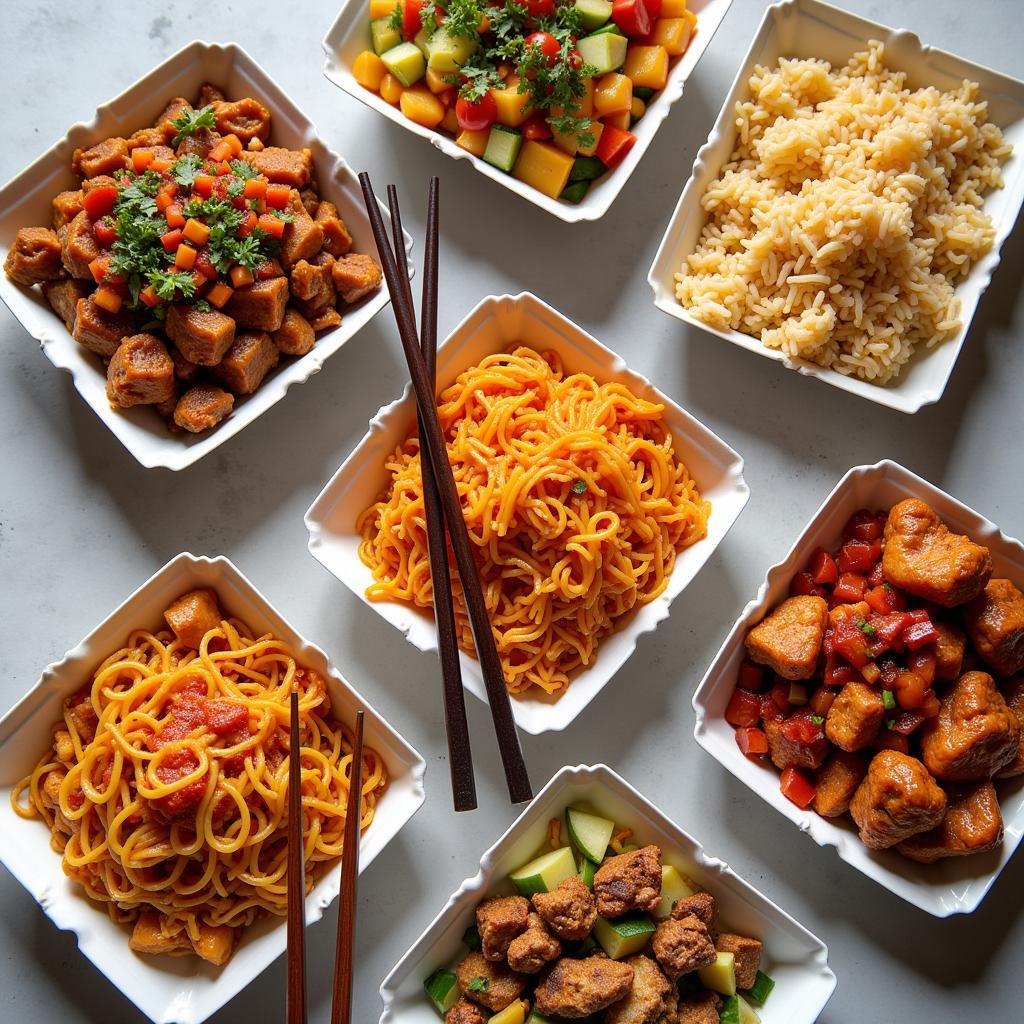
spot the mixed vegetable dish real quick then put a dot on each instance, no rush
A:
(600, 929)
(545, 90)
(889, 685)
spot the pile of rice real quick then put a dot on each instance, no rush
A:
(849, 210)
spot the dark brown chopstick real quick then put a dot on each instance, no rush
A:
(341, 1003)
(460, 754)
(296, 875)
(516, 776)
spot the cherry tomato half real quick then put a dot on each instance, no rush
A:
(539, 8)
(476, 115)
(546, 43)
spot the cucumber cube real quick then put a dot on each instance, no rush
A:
(736, 1010)
(623, 936)
(761, 989)
(447, 53)
(590, 833)
(603, 51)
(503, 145)
(420, 40)
(674, 887)
(406, 63)
(385, 37)
(443, 990)
(586, 168)
(471, 937)
(593, 13)
(573, 194)
(610, 27)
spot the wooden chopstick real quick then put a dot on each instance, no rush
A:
(516, 776)
(460, 754)
(341, 1002)
(296, 875)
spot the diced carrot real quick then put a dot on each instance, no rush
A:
(185, 257)
(141, 159)
(203, 185)
(244, 230)
(255, 188)
(161, 164)
(277, 196)
(175, 218)
(196, 232)
(272, 226)
(149, 296)
(205, 265)
(219, 294)
(107, 299)
(221, 152)
(171, 240)
(241, 276)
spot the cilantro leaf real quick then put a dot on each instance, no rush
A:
(169, 282)
(579, 486)
(478, 984)
(185, 169)
(189, 121)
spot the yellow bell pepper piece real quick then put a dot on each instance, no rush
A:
(435, 81)
(391, 89)
(647, 66)
(638, 109)
(673, 8)
(382, 8)
(543, 166)
(473, 142)
(369, 70)
(674, 34)
(513, 106)
(450, 122)
(595, 129)
(422, 106)
(620, 120)
(613, 93)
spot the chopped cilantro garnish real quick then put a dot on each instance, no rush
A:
(169, 284)
(817, 720)
(866, 628)
(189, 121)
(579, 486)
(243, 169)
(888, 700)
(185, 169)
(478, 984)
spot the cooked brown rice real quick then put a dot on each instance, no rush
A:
(847, 212)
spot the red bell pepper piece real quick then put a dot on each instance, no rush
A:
(803, 584)
(780, 694)
(632, 16)
(99, 201)
(822, 567)
(877, 575)
(104, 232)
(796, 787)
(743, 709)
(916, 635)
(614, 144)
(865, 525)
(859, 555)
(839, 672)
(884, 599)
(851, 642)
(171, 240)
(800, 729)
(752, 741)
(751, 676)
(889, 627)
(770, 711)
(536, 127)
(850, 588)
(907, 721)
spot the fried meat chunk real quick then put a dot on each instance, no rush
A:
(569, 910)
(629, 881)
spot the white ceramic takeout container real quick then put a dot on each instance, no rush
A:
(953, 886)
(495, 324)
(793, 957)
(350, 35)
(808, 28)
(170, 990)
(25, 201)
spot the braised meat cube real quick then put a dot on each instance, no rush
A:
(701, 1008)
(201, 407)
(949, 651)
(303, 237)
(251, 357)
(283, 166)
(499, 920)
(493, 985)
(313, 283)
(682, 945)
(260, 306)
(974, 735)
(855, 717)
(577, 988)
(700, 905)
(199, 143)
(193, 615)
(63, 296)
(995, 622)
(837, 782)
(34, 257)
(63, 746)
(897, 799)
(1013, 694)
(247, 118)
(104, 158)
(789, 752)
(788, 640)
(337, 240)
(171, 112)
(215, 943)
(925, 558)
(529, 952)
(79, 247)
(148, 138)
(630, 881)
(99, 331)
(310, 200)
(185, 370)
(140, 372)
(569, 909)
(295, 336)
(201, 336)
(747, 953)
(650, 999)
(326, 321)
(465, 1012)
(208, 95)
(356, 275)
(66, 207)
(972, 824)
(148, 937)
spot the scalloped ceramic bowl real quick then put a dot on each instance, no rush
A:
(350, 35)
(25, 201)
(495, 324)
(808, 28)
(953, 886)
(795, 959)
(172, 990)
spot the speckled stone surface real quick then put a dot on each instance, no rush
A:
(81, 524)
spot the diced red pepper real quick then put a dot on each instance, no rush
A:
(849, 641)
(865, 525)
(743, 709)
(889, 672)
(632, 16)
(918, 615)
(770, 711)
(277, 196)
(907, 721)
(916, 635)
(751, 676)
(104, 232)
(171, 240)
(752, 741)
(877, 575)
(149, 296)
(796, 787)
(800, 729)
(850, 588)
(614, 143)
(99, 201)
(536, 127)
(822, 568)
(780, 694)
(889, 627)
(839, 672)
(803, 584)
(923, 662)
(100, 270)
(859, 556)
(412, 18)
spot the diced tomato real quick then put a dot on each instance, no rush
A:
(536, 127)
(412, 18)
(849, 641)
(219, 294)
(909, 690)
(770, 711)
(849, 588)
(865, 525)
(803, 584)
(752, 741)
(800, 729)
(632, 16)
(888, 739)
(272, 226)
(245, 229)
(923, 663)
(546, 43)
(175, 216)
(104, 232)
(203, 185)
(476, 115)
(106, 298)
(177, 766)
(839, 672)
(171, 240)
(907, 721)
(889, 627)
(141, 159)
(223, 716)
(884, 599)
(241, 276)
(537, 9)
(743, 709)
(877, 575)
(822, 567)
(751, 676)
(205, 265)
(149, 296)
(796, 787)
(614, 144)
(859, 556)
(99, 201)
(916, 635)
(821, 701)
(255, 188)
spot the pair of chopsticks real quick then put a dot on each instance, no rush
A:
(443, 510)
(341, 1001)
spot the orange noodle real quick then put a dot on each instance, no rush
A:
(166, 786)
(575, 502)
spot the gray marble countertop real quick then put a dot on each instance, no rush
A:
(81, 524)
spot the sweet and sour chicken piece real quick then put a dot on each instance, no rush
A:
(499, 920)
(247, 118)
(1013, 694)
(281, 166)
(974, 734)
(897, 799)
(682, 945)
(922, 556)
(949, 651)
(465, 1012)
(837, 782)
(260, 306)
(747, 954)
(202, 407)
(630, 881)
(788, 640)
(193, 615)
(491, 984)
(303, 237)
(34, 257)
(140, 372)
(855, 717)
(972, 824)
(104, 158)
(529, 952)
(569, 910)
(789, 753)
(577, 988)
(337, 240)
(995, 622)
(79, 247)
(295, 336)
(148, 937)
(63, 296)
(651, 998)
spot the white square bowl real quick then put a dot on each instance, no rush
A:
(167, 989)
(795, 959)
(495, 324)
(808, 28)
(956, 885)
(350, 35)
(25, 201)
